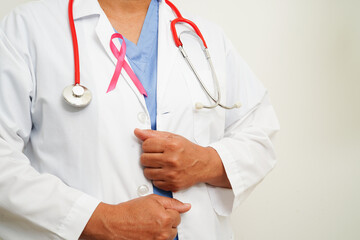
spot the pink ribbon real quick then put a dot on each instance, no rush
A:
(120, 56)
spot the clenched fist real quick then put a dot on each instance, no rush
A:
(152, 218)
(174, 163)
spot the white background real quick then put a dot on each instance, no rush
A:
(307, 53)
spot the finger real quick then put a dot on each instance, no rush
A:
(175, 216)
(144, 134)
(171, 203)
(154, 174)
(166, 183)
(154, 145)
(152, 160)
(163, 185)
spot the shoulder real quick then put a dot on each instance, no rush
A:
(29, 25)
(32, 15)
(32, 21)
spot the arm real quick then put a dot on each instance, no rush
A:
(246, 149)
(174, 163)
(247, 155)
(140, 218)
(239, 160)
(31, 204)
(41, 206)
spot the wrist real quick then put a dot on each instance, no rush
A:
(96, 226)
(216, 172)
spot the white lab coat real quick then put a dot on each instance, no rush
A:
(58, 162)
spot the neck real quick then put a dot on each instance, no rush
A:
(125, 7)
(126, 16)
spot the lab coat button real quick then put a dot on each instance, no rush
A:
(143, 190)
(142, 117)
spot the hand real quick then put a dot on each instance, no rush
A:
(152, 218)
(174, 163)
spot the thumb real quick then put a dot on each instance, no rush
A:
(170, 203)
(143, 134)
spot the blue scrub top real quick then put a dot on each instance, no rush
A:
(143, 60)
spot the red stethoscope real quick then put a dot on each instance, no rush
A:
(79, 96)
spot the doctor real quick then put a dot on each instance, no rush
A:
(69, 173)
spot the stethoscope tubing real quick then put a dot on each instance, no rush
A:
(75, 42)
(71, 93)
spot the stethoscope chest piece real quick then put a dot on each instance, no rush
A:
(77, 95)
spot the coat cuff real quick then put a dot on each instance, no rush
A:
(225, 200)
(78, 216)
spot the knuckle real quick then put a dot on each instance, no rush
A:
(173, 160)
(146, 144)
(143, 159)
(171, 187)
(154, 198)
(143, 146)
(171, 176)
(167, 220)
(172, 144)
(168, 234)
(146, 172)
(164, 187)
(176, 187)
(164, 236)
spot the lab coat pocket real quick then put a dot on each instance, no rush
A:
(208, 123)
(208, 126)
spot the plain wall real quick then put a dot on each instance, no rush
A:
(307, 53)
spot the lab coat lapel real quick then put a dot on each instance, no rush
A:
(85, 8)
(104, 30)
(167, 50)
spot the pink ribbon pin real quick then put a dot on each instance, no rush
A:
(121, 63)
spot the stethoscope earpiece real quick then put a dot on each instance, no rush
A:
(199, 106)
(238, 105)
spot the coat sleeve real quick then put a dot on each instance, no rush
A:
(246, 149)
(32, 205)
